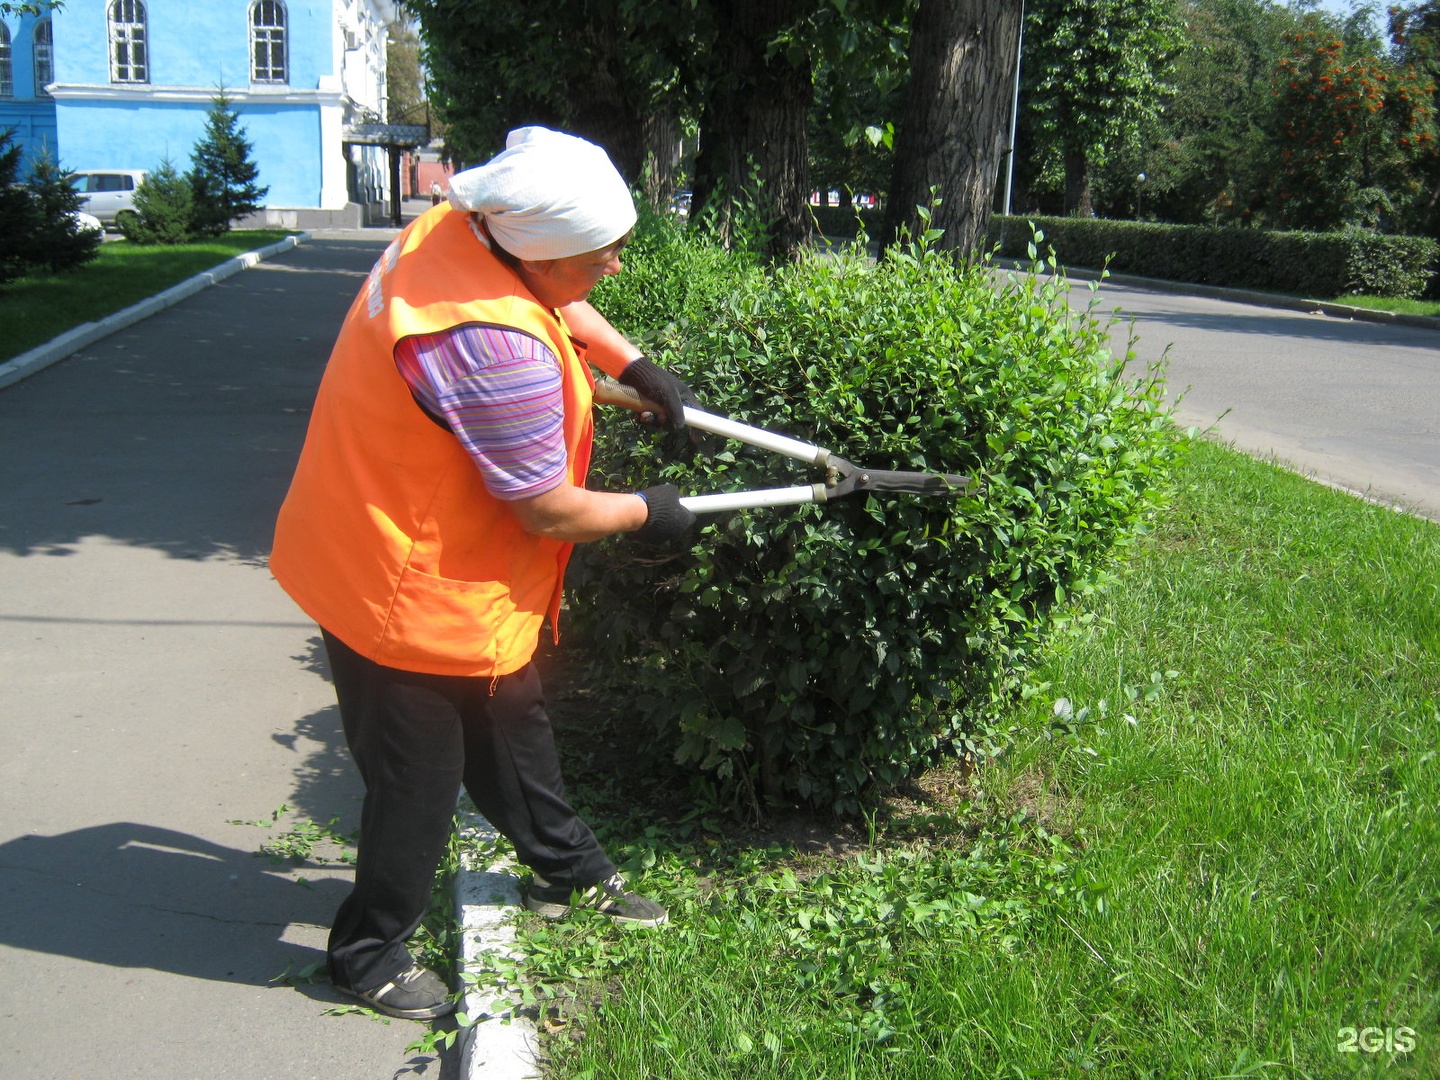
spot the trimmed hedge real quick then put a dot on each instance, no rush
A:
(1319, 265)
(806, 654)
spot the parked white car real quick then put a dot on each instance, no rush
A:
(87, 221)
(109, 194)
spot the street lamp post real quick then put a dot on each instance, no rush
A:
(1014, 111)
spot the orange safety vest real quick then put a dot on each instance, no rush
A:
(388, 537)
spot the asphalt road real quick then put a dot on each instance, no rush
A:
(1353, 403)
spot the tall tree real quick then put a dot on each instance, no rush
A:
(1202, 155)
(755, 116)
(1354, 134)
(1093, 70)
(19, 217)
(59, 242)
(404, 78)
(1415, 35)
(608, 70)
(952, 135)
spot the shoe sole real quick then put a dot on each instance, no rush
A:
(430, 1012)
(549, 910)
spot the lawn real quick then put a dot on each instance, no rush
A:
(39, 307)
(1211, 852)
(1430, 308)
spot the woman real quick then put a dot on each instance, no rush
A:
(435, 503)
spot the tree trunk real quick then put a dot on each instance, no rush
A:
(1077, 185)
(603, 112)
(756, 115)
(662, 157)
(954, 130)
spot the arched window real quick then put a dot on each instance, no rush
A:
(44, 58)
(129, 57)
(7, 67)
(267, 42)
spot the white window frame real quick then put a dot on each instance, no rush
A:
(269, 36)
(7, 64)
(43, 51)
(129, 42)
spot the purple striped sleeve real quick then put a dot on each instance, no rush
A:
(500, 391)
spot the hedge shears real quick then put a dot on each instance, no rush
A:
(842, 477)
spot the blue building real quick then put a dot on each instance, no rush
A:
(125, 84)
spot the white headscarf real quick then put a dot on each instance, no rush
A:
(547, 195)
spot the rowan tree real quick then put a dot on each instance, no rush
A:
(1353, 134)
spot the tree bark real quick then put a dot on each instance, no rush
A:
(954, 130)
(756, 115)
(602, 109)
(1078, 201)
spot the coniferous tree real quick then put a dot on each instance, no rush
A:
(18, 215)
(222, 175)
(59, 241)
(164, 208)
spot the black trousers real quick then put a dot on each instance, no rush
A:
(415, 739)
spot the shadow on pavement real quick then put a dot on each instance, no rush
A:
(140, 896)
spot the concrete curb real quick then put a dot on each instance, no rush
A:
(72, 341)
(487, 897)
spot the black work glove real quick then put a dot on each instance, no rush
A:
(664, 389)
(666, 520)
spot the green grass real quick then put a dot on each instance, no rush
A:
(1211, 872)
(1400, 307)
(39, 307)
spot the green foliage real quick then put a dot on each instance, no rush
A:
(59, 242)
(1204, 153)
(18, 214)
(804, 655)
(164, 208)
(222, 175)
(1093, 72)
(1320, 265)
(1351, 135)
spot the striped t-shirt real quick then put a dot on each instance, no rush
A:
(500, 391)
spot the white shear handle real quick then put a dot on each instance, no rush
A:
(749, 500)
(608, 392)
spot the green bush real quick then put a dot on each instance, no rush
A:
(1319, 265)
(805, 654)
(164, 209)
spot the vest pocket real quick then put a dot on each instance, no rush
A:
(458, 627)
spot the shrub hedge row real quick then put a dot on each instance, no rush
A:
(1318, 265)
(806, 654)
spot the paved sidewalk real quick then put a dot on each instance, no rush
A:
(159, 687)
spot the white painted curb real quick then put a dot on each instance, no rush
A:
(495, 1047)
(72, 341)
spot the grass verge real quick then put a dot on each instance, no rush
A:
(1400, 307)
(40, 307)
(1212, 851)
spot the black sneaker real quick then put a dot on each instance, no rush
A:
(609, 898)
(416, 994)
